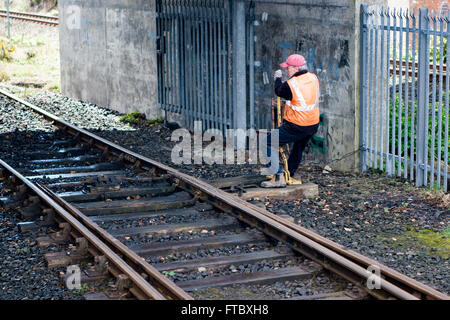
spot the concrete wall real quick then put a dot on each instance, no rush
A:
(109, 57)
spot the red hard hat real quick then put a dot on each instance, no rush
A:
(294, 60)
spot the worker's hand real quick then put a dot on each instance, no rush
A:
(277, 74)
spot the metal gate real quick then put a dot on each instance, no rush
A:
(194, 61)
(404, 94)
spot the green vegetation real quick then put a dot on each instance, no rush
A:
(30, 54)
(133, 117)
(415, 240)
(155, 121)
(55, 88)
(169, 273)
(438, 50)
(431, 52)
(435, 243)
(24, 42)
(6, 51)
(83, 289)
(446, 232)
(4, 76)
(136, 118)
(22, 250)
(406, 149)
(35, 60)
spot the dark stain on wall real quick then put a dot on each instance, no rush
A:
(344, 62)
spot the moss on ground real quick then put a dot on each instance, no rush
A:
(436, 243)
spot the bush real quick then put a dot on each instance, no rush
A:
(137, 118)
(133, 117)
(155, 121)
(438, 50)
(406, 150)
(30, 54)
(6, 51)
(4, 76)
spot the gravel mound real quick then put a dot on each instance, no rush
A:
(15, 118)
(81, 114)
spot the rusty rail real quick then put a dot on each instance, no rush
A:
(31, 17)
(410, 69)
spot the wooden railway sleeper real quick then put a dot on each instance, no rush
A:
(19, 191)
(137, 166)
(82, 246)
(31, 200)
(101, 264)
(32, 211)
(123, 282)
(105, 153)
(64, 234)
(48, 217)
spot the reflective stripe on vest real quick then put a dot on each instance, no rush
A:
(303, 106)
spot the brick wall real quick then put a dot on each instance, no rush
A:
(436, 5)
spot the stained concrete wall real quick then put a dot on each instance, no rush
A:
(109, 57)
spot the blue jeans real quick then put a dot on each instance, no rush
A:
(289, 133)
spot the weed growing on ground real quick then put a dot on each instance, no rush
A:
(134, 117)
(155, 121)
(6, 51)
(84, 288)
(4, 76)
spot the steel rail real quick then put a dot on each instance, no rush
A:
(28, 14)
(323, 252)
(135, 277)
(48, 22)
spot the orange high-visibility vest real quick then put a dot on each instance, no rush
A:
(303, 109)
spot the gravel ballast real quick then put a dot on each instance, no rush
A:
(23, 271)
(383, 218)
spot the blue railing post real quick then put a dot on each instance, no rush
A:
(364, 85)
(423, 99)
(239, 68)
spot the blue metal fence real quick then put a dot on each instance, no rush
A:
(194, 61)
(404, 94)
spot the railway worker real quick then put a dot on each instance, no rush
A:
(301, 114)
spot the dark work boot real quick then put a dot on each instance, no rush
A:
(277, 181)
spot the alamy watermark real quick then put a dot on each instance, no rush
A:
(73, 280)
(73, 17)
(374, 280)
(190, 148)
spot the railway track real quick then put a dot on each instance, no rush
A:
(168, 234)
(30, 17)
